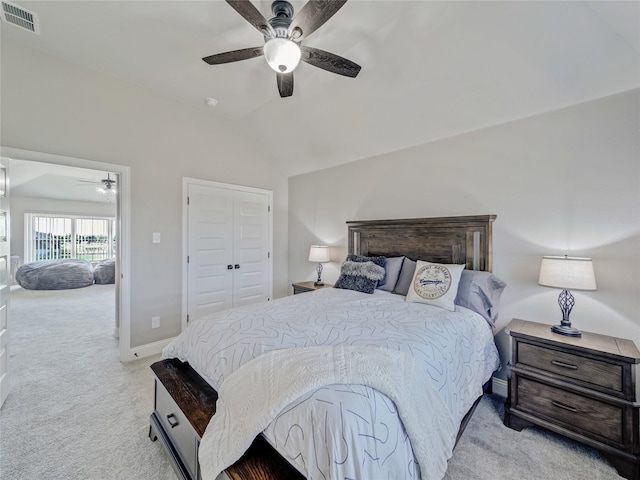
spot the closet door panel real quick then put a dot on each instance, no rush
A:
(210, 250)
(251, 248)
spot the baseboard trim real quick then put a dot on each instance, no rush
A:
(146, 350)
(499, 386)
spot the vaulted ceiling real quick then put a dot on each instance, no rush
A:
(430, 69)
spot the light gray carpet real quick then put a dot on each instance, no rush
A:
(76, 412)
(489, 450)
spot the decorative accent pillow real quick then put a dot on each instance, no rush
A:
(362, 276)
(480, 292)
(435, 284)
(392, 272)
(382, 261)
(405, 277)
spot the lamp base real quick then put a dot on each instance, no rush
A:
(566, 330)
(318, 283)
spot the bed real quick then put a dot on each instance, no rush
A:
(337, 383)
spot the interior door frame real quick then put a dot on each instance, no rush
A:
(6, 376)
(186, 181)
(123, 282)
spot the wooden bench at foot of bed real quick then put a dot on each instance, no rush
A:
(183, 405)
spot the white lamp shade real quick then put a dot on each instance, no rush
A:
(567, 273)
(319, 254)
(282, 54)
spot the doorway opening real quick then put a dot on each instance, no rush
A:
(65, 187)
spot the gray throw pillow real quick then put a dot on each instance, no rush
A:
(406, 275)
(480, 292)
(392, 272)
(382, 261)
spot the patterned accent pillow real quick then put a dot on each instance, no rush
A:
(359, 276)
(435, 284)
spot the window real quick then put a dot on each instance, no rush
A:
(49, 237)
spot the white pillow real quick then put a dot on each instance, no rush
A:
(435, 284)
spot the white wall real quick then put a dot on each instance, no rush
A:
(21, 205)
(565, 182)
(49, 105)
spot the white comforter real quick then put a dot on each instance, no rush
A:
(347, 431)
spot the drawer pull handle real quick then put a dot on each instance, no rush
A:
(564, 365)
(564, 407)
(173, 421)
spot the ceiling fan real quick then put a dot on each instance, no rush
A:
(105, 186)
(282, 36)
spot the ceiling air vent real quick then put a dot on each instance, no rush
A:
(12, 13)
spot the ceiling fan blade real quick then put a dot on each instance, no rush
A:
(285, 84)
(312, 16)
(234, 56)
(250, 13)
(329, 61)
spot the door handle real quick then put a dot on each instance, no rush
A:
(237, 266)
(229, 267)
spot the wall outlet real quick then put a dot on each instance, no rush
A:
(155, 322)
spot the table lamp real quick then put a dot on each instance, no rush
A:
(319, 254)
(567, 273)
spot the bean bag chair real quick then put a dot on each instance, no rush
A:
(55, 274)
(105, 272)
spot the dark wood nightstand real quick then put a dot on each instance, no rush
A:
(581, 387)
(301, 287)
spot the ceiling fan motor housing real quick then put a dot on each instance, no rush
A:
(282, 14)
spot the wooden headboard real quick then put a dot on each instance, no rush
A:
(465, 239)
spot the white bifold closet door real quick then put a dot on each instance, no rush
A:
(229, 241)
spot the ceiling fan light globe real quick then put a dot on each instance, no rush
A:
(103, 190)
(282, 55)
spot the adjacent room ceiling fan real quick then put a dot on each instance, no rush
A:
(105, 186)
(282, 36)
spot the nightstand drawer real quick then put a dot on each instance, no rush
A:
(574, 411)
(596, 372)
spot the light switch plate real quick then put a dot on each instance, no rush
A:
(156, 237)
